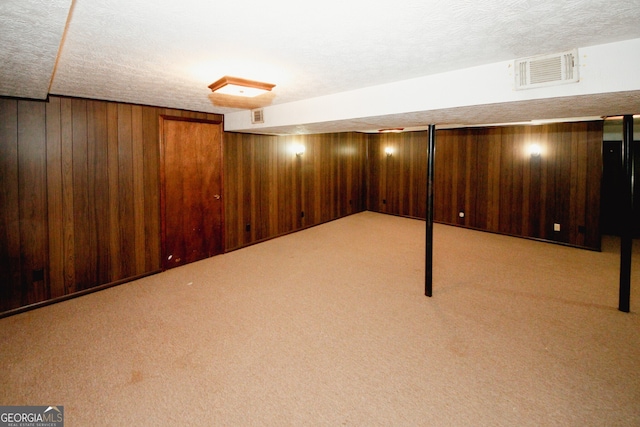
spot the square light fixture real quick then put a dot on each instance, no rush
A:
(236, 86)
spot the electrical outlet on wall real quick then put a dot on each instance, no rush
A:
(556, 226)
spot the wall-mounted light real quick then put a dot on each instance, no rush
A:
(534, 150)
(388, 151)
(299, 149)
(240, 87)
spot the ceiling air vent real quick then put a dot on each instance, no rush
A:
(547, 70)
(257, 116)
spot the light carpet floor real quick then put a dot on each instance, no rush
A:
(329, 326)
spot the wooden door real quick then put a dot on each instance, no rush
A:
(191, 196)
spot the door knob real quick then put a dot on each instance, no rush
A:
(216, 196)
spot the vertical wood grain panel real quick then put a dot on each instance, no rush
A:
(412, 166)
(10, 262)
(308, 188)
(506, 172)
(125, 190)
(457, 177)
(563, 190)
(137, 140)
(261, 186)
(358, 185)
(421, 174)
(115, 251)
(248, 190)
(576, 191)
(439, 173)
(470, 179)
(99, 192)
(55, 214)
(392, 183)
(92, 214)
(451, 178)
(284, 183)
(232, 191)
(82, 222)
(533, 197)
(479, 218)
(32, 164)
(492, 204)
(518, 212)
(341, 147)
(66, 122)
(594, 135)
(244, 199)
(404, 175)
(314, 176)
(527, 161)
(319, 173)
(273, 188)
(151, 177)
(553, 163)
(295, 195)
(327, 181)
(326, 194)
(374, 173)
(330, 176)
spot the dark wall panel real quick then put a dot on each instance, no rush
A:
(79, 195)
(269, 191)
(486, 179)
(79, 187)
(397, 183)
(10, 262)
(55, 200)
(32, 190)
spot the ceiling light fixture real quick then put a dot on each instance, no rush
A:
(236, 86)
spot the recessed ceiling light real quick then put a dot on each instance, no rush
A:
(236, 86)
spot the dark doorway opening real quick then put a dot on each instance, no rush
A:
(613, 189)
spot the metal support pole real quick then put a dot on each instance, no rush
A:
(431, 151)
(626, 240)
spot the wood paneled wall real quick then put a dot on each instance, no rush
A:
(79, 195)
(79, 192)
(79, 187)
(270, 191)
(397, 183)
(487, 174)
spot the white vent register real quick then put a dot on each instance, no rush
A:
(547, 70)
(257, 116)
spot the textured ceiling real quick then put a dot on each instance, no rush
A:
(165, 53)
(30, 36)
